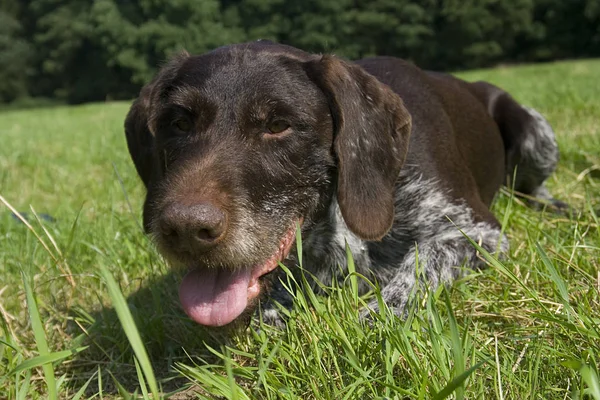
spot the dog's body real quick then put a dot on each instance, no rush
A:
(238, 145)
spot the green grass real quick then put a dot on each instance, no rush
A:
(89, 309)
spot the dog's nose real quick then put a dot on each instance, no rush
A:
(196, 227)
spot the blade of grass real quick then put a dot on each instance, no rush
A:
(40, 336)
(129, 206)
(28, 225)
(82, 389)
(130, 329)
(352, 274)
(459, 361)
(589, 376)
(23, 390)
(122, 391)
(555, 276)
(230, 378)
(100, 387)
(216, 383)
(48, 235)
(591, 379)
(141, 379)
(40, 361)
(61, 262)
(299, 243)
(58, 260)
(456, 382)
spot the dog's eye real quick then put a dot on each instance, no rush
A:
(183, 124)
(277, 126)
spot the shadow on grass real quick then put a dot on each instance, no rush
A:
(169, 336)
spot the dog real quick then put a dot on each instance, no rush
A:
(239, 146)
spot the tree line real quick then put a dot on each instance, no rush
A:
(90, 50)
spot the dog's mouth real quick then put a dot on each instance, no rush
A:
(216, 297)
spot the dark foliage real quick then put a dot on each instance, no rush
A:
(77, 51)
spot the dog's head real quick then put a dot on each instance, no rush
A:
(239, 145)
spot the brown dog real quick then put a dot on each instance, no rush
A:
(239, 145)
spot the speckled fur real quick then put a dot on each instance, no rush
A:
(428, 227)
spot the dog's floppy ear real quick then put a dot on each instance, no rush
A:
(138, 123)
(371, 140)
(140, 140)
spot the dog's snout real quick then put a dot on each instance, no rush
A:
(195, 228)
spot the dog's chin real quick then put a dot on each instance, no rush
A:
(218, 296)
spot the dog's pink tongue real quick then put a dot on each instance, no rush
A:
(215, 297)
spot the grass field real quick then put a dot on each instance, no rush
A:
(526, 328)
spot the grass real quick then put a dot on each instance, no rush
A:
(89, 309)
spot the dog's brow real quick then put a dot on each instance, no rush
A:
(185, 96)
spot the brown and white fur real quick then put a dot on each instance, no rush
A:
(238, 145)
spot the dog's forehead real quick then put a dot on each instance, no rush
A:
(244, 71)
